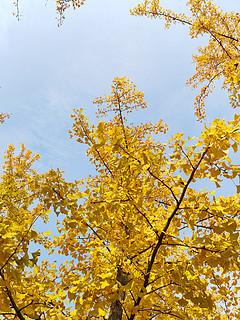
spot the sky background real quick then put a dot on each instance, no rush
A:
(46, 71)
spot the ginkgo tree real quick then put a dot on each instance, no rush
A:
(25, 198)
(140, 240)
(143, 238)
(217, 60)
(146, 242)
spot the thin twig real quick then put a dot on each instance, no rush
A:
(20, 242)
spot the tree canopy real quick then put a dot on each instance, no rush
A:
(143, 238)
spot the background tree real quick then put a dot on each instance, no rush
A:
(28, 289)
(220, 59)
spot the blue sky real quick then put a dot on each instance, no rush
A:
(47, 71)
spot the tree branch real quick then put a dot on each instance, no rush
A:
(162, 235)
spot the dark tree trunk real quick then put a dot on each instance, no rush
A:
(116, 310)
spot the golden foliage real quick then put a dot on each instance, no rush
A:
(63, 5)
(218, 59)
(4, 116)
(140, 235)
(141, 238)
